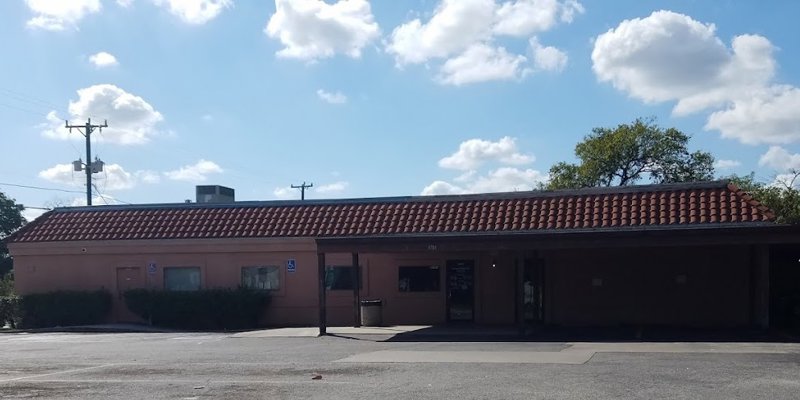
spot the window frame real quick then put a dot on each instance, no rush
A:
(438, 281)
(199, 270)
(277, 272)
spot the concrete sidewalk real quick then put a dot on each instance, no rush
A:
(346, 331)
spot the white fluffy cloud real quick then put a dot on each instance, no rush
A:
(769, 115)
(147, 176)
(103, 59)
(313, 29)
(131, 119)
(334, 187)
(780, 159)
(671, 57)
(112, 178)
(726, 164)
(331, 97)
(196, 12)
(504, 179)
(442, 188)
(57, 15)
(63, 174)
(197, 172)
(285, 193)
(481, 63)
(473, 153)
(547, 58)
(462, 33)
(525, 17)
(454, 26)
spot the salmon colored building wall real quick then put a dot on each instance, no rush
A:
(639, 286)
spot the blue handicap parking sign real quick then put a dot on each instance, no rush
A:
(291, 265)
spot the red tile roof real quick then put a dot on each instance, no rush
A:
(637, 207)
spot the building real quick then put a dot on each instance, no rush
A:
(688, 255)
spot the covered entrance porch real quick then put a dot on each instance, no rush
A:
(690, 278)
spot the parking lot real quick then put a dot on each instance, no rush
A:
(217, 365)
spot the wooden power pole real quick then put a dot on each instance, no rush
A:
(303, 188)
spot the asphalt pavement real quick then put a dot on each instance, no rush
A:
(227, 366)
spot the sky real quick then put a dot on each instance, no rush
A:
(378, 98)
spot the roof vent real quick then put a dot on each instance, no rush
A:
(215, 194)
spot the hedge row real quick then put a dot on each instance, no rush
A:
(9, 313)
(202, 309)
(62, 308)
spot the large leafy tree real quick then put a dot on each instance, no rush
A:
(10, 220)
(782, 196)
(631, 153)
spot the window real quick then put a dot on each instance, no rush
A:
(182, 278)
(340, 277)
(264, 278)
(419, 279)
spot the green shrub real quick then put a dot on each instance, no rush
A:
(7, 285)
(9, 311)
(62, 308)
(202, 309)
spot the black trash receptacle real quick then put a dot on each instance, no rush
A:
(371, 312)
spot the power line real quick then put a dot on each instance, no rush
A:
(25, 110)
(100, 194)
(30, 99)
(103, 197)
(39, 188)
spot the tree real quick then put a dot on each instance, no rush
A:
(781, 196)
(10, 220)
(630, 153)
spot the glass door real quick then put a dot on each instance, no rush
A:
(460, 290)
(533, 297)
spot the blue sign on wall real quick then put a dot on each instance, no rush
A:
(291, 265)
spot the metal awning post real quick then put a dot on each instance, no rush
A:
(323, 323)
(356, 275)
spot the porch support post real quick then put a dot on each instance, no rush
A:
(323, 314)
(519, 264)
(356, 274)
(761, 283)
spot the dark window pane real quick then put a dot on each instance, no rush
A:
(182, 278)
(340, 277)
(418, 279)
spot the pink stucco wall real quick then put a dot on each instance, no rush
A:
(638, 285)
(95, 265)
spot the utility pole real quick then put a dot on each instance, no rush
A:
(91, 167)
(303, 188)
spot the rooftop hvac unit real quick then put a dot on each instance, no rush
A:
(215, 194)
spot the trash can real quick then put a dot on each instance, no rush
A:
(371, 312)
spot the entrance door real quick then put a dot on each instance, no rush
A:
(127, 278)
(534, 291)
(460, 290)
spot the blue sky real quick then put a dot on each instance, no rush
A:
(379, 98)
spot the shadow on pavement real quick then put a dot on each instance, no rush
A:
(615, 334)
